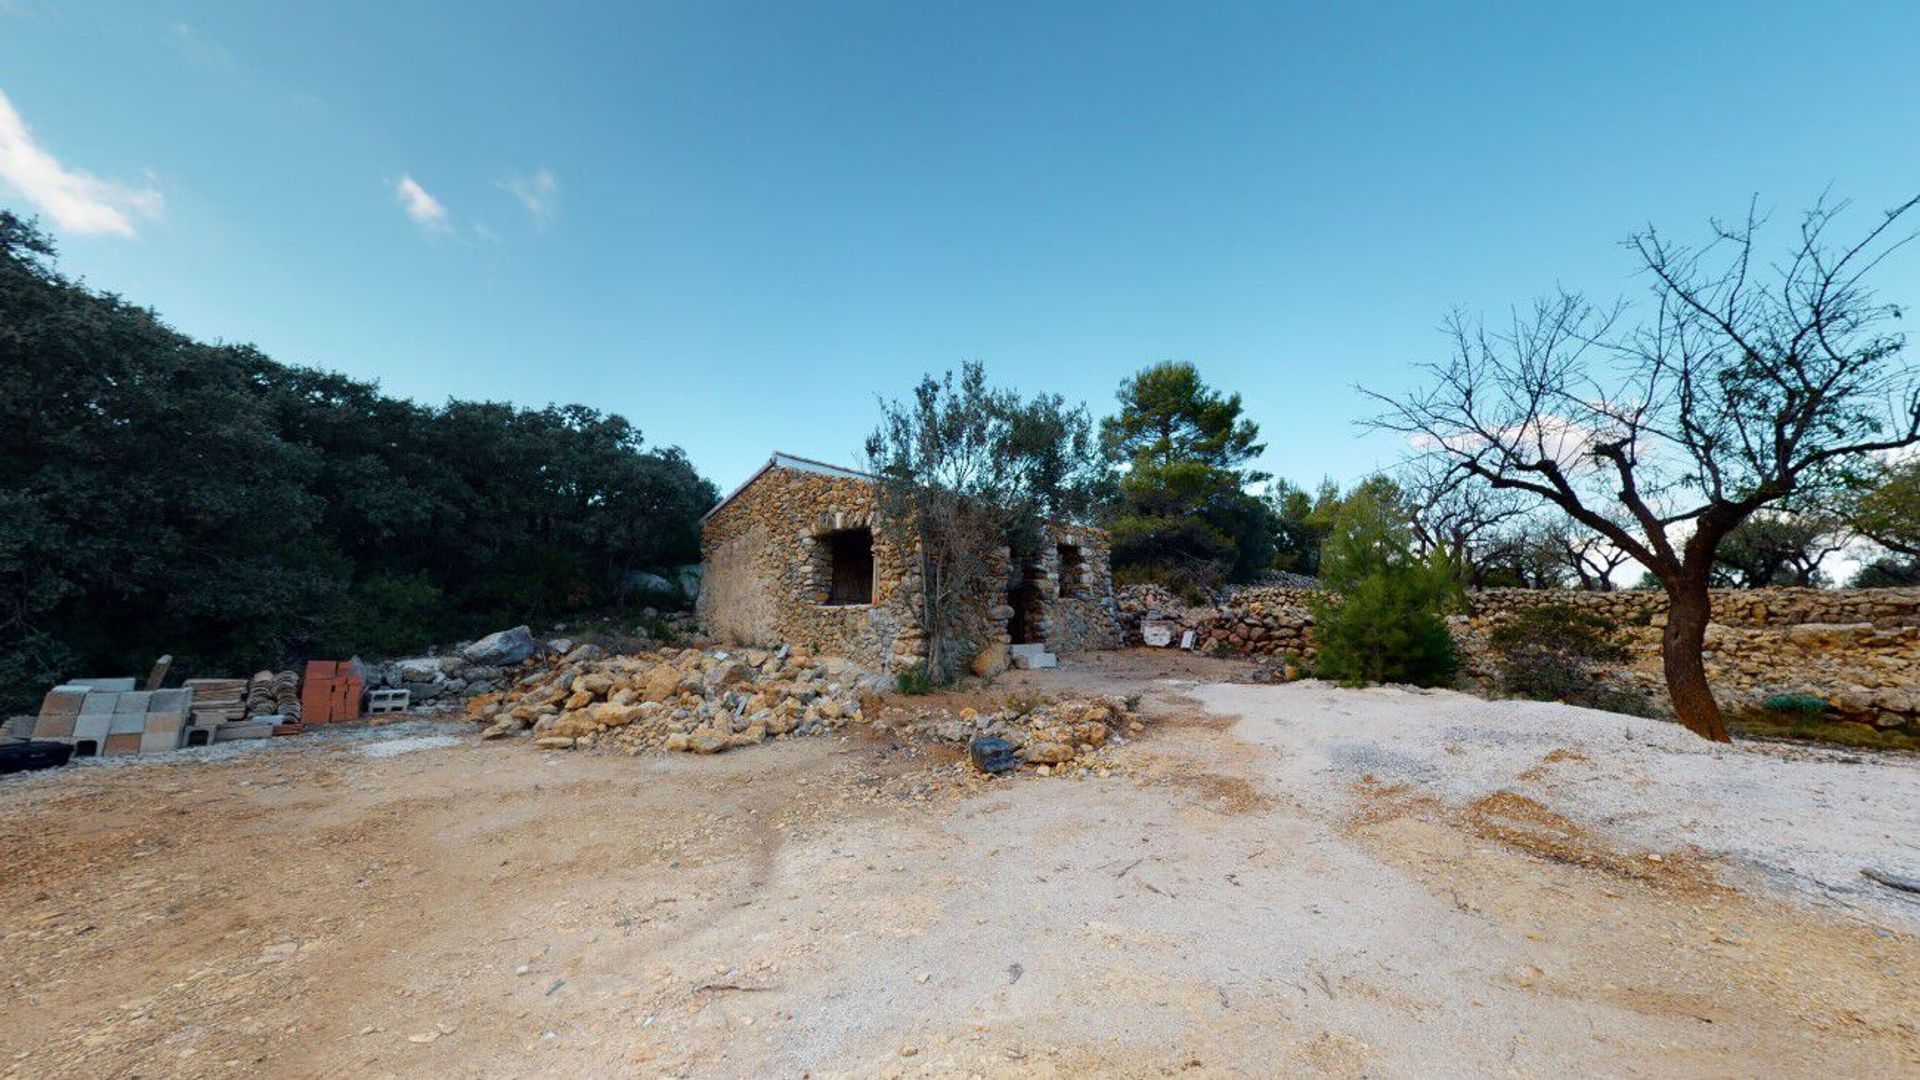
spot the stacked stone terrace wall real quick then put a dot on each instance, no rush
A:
(1745, 608)
(1858, 649)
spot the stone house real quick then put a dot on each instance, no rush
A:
(793, 555)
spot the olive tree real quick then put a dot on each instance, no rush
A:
(967, 472)
(1662, 427)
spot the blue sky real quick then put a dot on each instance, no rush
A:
(737, 224)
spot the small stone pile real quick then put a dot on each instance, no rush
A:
(699, 700)
(1048, 735)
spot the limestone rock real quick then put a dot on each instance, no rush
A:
(502, 648)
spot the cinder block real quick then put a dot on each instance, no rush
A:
(159, 742)
(127, 723)
(170, 701)
(198, 736)
(99, 701)
(134, 701)
(170, 722)
(54, 727)
(63, 701)
(252, 729)
(113, 686)
(94, 726)
(120, 745)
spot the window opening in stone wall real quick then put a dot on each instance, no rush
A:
(1073, 570)
(851, 552)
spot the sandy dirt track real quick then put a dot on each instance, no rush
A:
(1235, 900)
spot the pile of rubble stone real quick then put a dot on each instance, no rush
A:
(702, 700)
(710, 700)
(1048, 734)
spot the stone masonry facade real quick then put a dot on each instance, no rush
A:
(774, 556)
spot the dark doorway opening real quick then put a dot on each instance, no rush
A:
(1024, 627)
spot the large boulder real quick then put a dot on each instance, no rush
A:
(991, 661)
(688, 579)
(420, 669)
(647, 584)
(502, 647)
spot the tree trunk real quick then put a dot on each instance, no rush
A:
(1688, 610)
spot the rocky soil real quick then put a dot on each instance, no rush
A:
(709, 700)
(1290, 880)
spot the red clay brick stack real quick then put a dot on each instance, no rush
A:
(331, 693)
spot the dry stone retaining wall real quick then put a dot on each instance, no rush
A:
(1859, 649)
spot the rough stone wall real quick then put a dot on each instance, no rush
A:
(1750, 608)
(763, 585)
(1859, 649)
(767, 569)
(1077, 600)
(1260, 621)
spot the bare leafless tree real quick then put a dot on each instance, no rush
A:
(1591, 558)
(1460, 516)
(1661, 429)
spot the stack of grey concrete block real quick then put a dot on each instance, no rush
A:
(109, 718)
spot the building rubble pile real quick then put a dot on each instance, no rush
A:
(710, 700)
(700, 700)
(1048, 735)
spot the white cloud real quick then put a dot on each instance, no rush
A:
(538, 193)
(76, 201)
(421, 206)
(200, 50)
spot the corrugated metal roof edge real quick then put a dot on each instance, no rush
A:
(783, 460)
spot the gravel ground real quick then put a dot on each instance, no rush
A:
(1805, 820)
(1314, 888)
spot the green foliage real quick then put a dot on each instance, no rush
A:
(1887, 572)
(1775, 549)
(1797, 705)
(162, 495)
(1384, 619)
(1764, 723)
(966, 470)
(1181, 512)
(1548, 651)
(913, 681)
(1886, 508)
(1193, 591)
(1303, 520)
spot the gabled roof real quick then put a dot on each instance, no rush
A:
(781, 460)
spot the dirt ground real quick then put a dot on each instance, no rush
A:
(419, 903)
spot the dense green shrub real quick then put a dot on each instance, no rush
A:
(1547, 651)
(1384, 619)
(1800, 706)
(913, 681)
